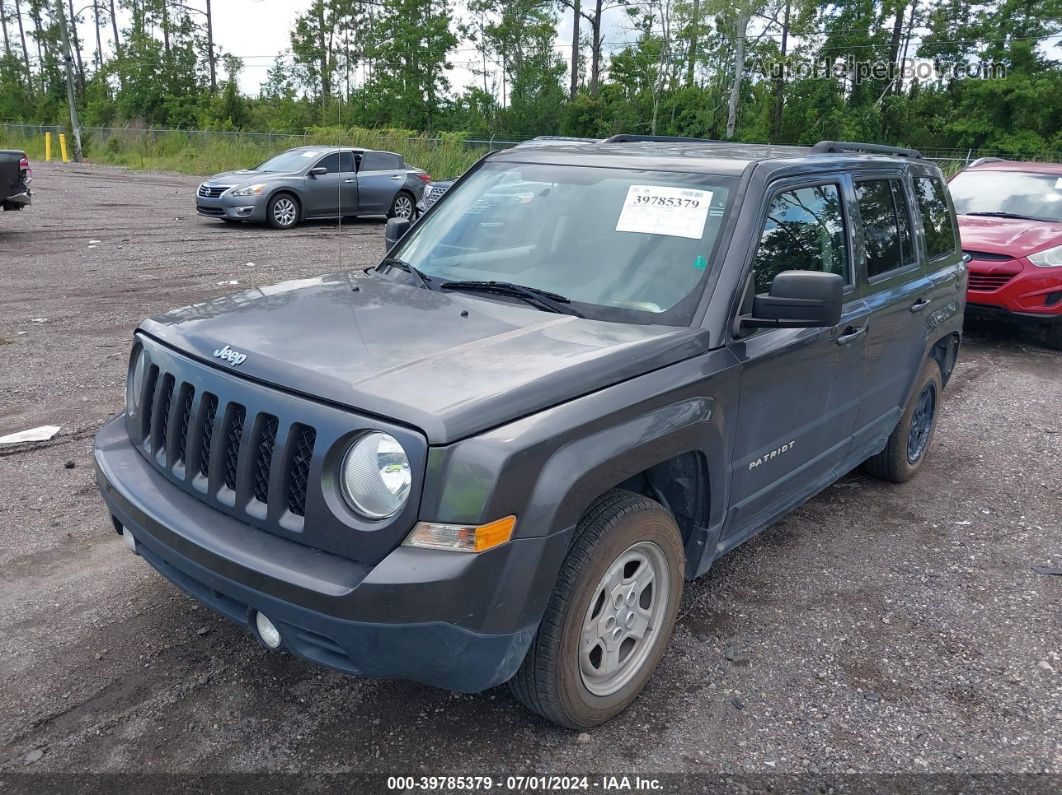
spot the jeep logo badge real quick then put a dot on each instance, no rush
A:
(235, 358)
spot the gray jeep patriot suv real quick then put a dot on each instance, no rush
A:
(585, 374)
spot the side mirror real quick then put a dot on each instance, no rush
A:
(394, 231)
(799, 299)
(317, 171)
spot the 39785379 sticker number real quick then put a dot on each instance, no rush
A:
(665, 210)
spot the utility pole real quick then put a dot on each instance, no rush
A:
(71, 98)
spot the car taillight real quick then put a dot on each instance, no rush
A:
(424, 177)
(23, 165)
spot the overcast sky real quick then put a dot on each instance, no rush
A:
(259, 30)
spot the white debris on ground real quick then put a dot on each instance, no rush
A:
(41, 433)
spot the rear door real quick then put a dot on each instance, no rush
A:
(800, 388)
(899, 296)
(380, 177)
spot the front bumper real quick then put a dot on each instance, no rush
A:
(447, 619)
(235, 208)
(1014, 288)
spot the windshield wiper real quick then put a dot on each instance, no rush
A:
(1001, 214)
(402, 265)
(551, 302)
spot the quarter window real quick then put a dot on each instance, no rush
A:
(804, 230)
(937, 222)
(886, 225)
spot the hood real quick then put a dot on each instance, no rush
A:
(1011, 236)
(230, 178)
(409, 355)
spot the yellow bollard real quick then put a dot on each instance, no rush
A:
(47, 146)
(62, 147)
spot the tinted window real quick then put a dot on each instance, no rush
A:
(331, 162)
(381, 161)
(886, 225)
(804, 230)
(346, 161)
(936, 218)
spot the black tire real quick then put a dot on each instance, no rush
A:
(551, 681)
(1054, 335)
(404, 205)
(899, 462)
(283, 219)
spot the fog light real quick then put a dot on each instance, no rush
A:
(129, 540)
(269, 634)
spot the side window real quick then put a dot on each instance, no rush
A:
(804, 230)
(886, 225)
(937, 220)
(346, 161)
(373, 161)
(331, 162)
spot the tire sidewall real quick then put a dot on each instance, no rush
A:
(583, 707)
(412, 203)
(930, 374)
(272, 203)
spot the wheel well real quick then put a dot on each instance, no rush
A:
(680, 484)
(946, 352)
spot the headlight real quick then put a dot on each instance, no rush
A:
(249, 190)
(375, 476)
(135, 386)
(1049, 258)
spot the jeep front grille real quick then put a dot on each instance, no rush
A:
(235, 452)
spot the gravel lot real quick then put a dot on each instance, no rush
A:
(877, 628)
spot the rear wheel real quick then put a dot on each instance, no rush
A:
(610, 617)
(402, 207)
(283, 211)
(907, 446)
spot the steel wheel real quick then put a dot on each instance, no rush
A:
(284, 211)
(402, 207)
(921, 423)
(625, 611)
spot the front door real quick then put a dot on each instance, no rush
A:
(800, 388)
(324, 192)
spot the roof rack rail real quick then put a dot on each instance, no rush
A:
(627, 138)
(834, 147)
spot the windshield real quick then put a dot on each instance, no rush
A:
(627, 245)
(1037, 196)
(292, 160)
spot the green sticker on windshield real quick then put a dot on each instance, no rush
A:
(700, 263)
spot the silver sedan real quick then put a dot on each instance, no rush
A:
(315, 182)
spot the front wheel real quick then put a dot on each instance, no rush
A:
(907, 446)
(610, 617)
(403, 207)
(282, 211)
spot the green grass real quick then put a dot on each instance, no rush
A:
(203, 153)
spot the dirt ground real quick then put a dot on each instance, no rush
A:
(878, 628)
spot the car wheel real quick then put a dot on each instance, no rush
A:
(1054, 335)
(282, 211)
(610, 616)
(403, 207)
(906, 449)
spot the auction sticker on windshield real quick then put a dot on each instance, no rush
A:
(660, 210)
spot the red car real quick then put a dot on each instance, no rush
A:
(1010, 221)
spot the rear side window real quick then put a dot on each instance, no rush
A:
(804, 230)
(886, 225)
(381, 161)
(937, 220)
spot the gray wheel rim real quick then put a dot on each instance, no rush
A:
(403, 207)
(622, 621)
(284, 212)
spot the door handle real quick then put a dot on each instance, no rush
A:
(350, 180)
(921, 304)
(850, 334)
(397, 177)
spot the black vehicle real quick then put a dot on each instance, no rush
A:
(15, 178)
(575, 383)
